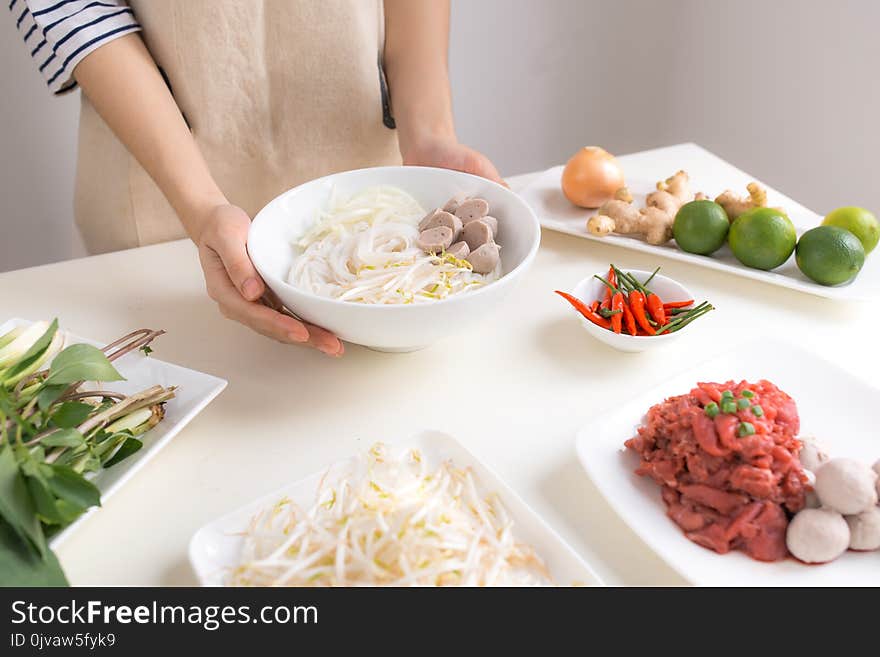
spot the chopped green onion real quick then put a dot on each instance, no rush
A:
(748, 394)
(757, 410)
(742, 404)
(726, 395)
(711, 409)
(728, 406)
(745, 429)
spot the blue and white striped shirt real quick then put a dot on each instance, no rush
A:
(59, 34)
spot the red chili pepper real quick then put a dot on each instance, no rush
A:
(678, 304)
(584, 310)
(637, 304)
(594, 306)
(612, 279)
(630, 320)
(617, 304)
(655, 307)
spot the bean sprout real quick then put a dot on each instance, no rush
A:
(363, 249)
(386, 520)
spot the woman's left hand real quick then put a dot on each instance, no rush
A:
(448, 153)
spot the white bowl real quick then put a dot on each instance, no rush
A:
(391, 327)
(590, 289)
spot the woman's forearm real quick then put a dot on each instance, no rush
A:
(416, 64)
(124, 85)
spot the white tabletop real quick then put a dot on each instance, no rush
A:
(290, 411)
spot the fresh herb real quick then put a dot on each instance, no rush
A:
(146, 350)
(52, 434)
(745, 429)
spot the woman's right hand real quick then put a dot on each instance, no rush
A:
(233, 282)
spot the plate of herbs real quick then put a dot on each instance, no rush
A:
(77, 419)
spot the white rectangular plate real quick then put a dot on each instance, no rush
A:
(709, 174)
(215, 548)
(194, 391)
(836, 407)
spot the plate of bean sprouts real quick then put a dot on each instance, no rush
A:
(422, 513)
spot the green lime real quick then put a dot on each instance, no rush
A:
(860, 222)
(701, 227)
(830, 255)
(762, 238)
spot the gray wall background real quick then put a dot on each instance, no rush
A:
(787, 90)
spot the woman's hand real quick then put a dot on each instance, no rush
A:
(448, 153)
(233, 282)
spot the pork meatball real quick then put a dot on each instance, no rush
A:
(847, 486)
(864, 530)
(817, 535)
(811, 456)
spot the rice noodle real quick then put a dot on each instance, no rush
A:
(388, 520)
(363, 249)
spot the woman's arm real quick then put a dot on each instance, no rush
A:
(416, 64)
(124, 85)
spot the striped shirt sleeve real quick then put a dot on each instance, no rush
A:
(59, 34)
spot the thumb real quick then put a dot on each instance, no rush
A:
(230, 243)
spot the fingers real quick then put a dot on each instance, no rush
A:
(255, 315)
(324, 341)
(259, 316)
(480, 165)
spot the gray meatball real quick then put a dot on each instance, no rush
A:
(811, 457)
(473, 208)
(441, 218)
(435, 240)
(847, 486)
(864, 530)
(817, 535)
(459, 250)
(484, 258)
(476, 233)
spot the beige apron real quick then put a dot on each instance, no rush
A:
(276, 92)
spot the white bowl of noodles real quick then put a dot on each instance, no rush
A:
(364, 281)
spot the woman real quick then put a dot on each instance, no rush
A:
(196, 113)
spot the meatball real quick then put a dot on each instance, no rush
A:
(817, 535)
(864, 530)
(847, 486)
(811, 457)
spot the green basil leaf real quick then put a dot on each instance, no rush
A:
(63, 438)
(129, 447)
(49, 395)
(69, 485)
(33, 354)
(71, 414)
(82, 362)
(19, 566)
(16, 506)
(45, 501)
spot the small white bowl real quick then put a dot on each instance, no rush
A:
(391, 327)
(591, 289)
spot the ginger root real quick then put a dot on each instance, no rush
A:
(654, 221)
(735, 205)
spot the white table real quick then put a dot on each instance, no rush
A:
(290, 411)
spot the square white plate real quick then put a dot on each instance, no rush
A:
(712, 175)
(836, 407)
(215, 548)
(194, 391)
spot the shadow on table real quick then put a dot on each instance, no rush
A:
(603, 539)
